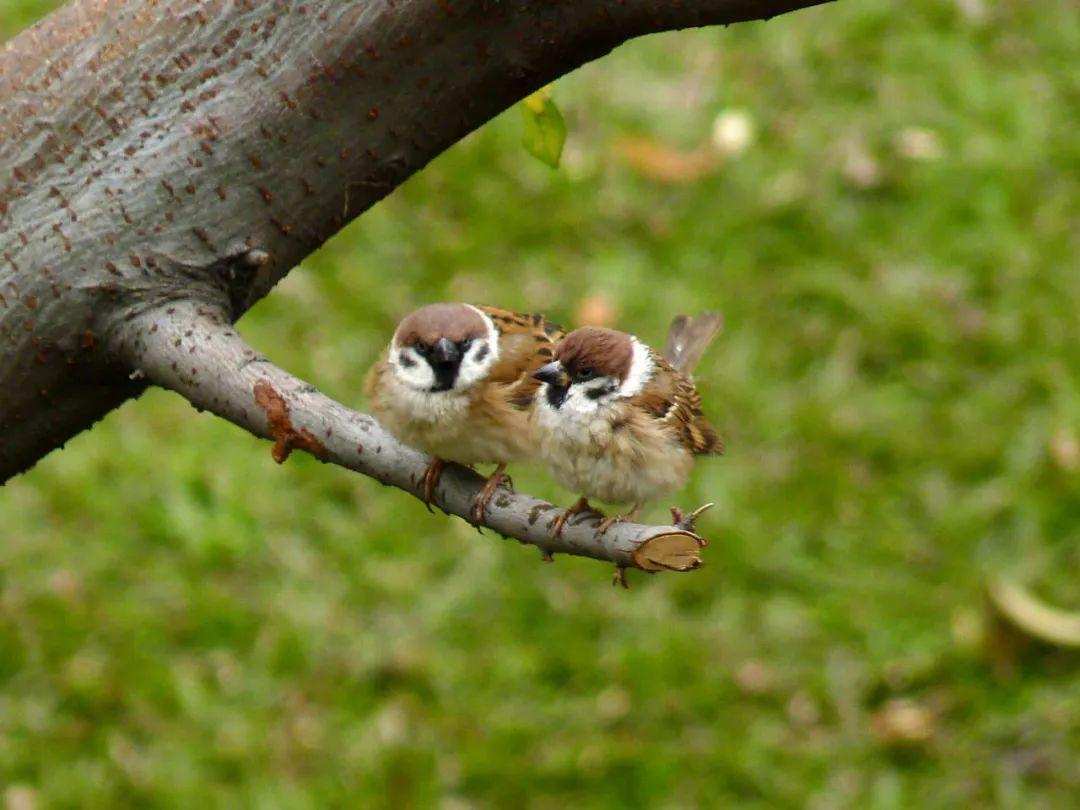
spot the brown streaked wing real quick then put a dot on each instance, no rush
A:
(526, 342)
(671, 398)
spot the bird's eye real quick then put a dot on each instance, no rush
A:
(586, 373)
(465, 345)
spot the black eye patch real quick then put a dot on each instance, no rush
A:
(596, 393)
(585, 374)
(405, 360)
(482, 353)
(556, 396)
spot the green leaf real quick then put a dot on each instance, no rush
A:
(545, 129)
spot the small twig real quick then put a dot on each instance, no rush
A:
(619, 579)
(688, 522)
(194, 351)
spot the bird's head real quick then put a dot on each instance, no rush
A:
(444, 348)
(594, 367)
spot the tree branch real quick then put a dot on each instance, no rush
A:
(146, 147)
(192, 349)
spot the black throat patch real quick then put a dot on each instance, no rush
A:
(445, 375)
(556, 396)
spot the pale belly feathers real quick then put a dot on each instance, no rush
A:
(476, 426)
(633, 463)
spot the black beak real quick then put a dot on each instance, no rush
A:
(445, 352)
(553, 374)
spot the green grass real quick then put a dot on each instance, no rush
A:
(183, 623)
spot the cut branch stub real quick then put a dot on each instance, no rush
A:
(674, 551)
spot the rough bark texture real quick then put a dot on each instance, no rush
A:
(158, 157)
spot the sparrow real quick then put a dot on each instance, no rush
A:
(457, 382)
(617, 421)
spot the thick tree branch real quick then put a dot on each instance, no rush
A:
(192, 349)
(147, 148)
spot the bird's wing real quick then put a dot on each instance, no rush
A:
(671, 398)
(526, 342)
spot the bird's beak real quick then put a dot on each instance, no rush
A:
(553, 374)
(445, 351)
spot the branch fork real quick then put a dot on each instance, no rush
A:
(230, 141)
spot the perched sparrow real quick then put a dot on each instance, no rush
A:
(619, 422)
(456, 382)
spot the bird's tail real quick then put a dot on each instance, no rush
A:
(689, 337)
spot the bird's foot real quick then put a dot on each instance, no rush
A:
(607, 523)
(431, 480)
(581, 505)
(483, 498)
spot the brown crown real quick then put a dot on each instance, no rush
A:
(606, 351)
(455, 322)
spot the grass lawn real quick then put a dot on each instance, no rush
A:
(185, 624)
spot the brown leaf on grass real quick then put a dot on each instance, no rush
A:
(1032, 617)
(858, 166)
(903, 722)
(665, 164)
(755, 678)
(973, 11)
(65, 584)
(917, 143)
(20, 797)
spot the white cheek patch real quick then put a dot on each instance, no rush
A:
(481, 356)
(587, 398)
(411, 368)
(641, 370)
(476, 364)
(583, 400)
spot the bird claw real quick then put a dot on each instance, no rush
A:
(485, 495)
(607, 523)
(431, 480)
(559, 524)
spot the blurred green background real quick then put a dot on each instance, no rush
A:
(883, 198)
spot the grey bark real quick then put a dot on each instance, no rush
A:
(162, 157)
